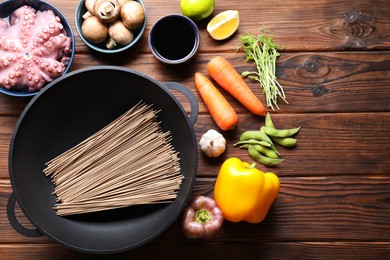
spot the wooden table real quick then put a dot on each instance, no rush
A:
(334, 201)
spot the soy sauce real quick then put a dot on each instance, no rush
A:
(173, 40)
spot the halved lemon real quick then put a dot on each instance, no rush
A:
(224, 24)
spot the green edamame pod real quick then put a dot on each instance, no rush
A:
(263, 150)
(246, 146)
(253, 142)
(255, 134)
(255, 155)
(267, 152)
(273, 147)
(285, 141)
(268, 120)
(280, 132)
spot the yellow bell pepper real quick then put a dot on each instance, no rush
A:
(243, 192)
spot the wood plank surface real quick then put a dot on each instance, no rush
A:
(349, 143)
(334, 201)
(340, 208)
(237, 250)
(313, 82)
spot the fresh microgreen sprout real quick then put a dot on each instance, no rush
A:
(264, 52)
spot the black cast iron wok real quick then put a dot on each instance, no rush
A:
(69, 110)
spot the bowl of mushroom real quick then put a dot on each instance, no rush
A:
(110, 26)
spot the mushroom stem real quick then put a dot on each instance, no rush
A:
(107, 10)
(87, 14)
(111, 44)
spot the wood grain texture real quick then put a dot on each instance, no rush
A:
(313, 82)
(263, 250)
(334, 201)
(349, 143)
(337, 208)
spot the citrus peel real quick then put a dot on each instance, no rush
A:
(224, 24)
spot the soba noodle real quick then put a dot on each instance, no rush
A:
(130, 161)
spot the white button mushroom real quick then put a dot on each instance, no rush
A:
(94, 30)
(122, 2)
(119, 34)
(89, 5)
(107, 10)
(132, 14)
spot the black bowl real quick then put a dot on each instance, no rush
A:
(67, 111)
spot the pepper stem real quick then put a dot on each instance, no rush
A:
(203, 216)
(252, 166)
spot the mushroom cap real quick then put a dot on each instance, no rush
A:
(94, 30)
(89, 5)
(122, 2)
(132, 14)
(120, 33)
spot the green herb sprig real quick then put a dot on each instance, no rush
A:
(264, 52)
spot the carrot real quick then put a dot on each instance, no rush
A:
(220, 109)
(229, 79)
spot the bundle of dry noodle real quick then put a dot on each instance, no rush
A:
(128, 162)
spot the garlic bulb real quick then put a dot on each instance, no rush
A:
(212, 143)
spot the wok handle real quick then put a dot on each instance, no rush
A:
(15, 223)
(190, 96)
